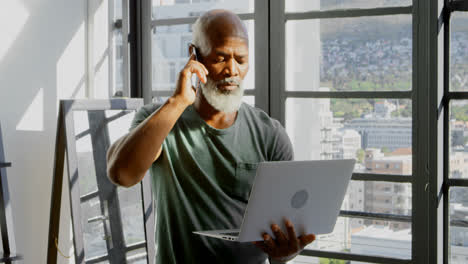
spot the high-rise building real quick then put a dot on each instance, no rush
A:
(377, 132)
(388, 197)
(349, 142)
(459, 162)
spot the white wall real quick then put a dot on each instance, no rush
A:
(42, 59)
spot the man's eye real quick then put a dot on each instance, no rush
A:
(219, 59)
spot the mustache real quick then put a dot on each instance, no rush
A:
(230, 80)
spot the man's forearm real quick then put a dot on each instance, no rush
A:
(131, 156)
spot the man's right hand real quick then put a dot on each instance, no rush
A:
(184, 89)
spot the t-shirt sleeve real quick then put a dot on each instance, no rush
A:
(142, 114)
(283, 149)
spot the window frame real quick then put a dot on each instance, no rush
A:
(261, 55)
(121, 24)
(443, 103)
(279, 94)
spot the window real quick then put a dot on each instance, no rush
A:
(104, 57)
(184, 43)
(172, 34)
(454, 118)
(119, 75)
(347, 76)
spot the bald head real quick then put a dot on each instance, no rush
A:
(216, 25)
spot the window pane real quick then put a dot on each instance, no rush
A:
(129, 198)
(93, 232)
(459, 52)
(118, 8)
(120, 121)
(189, 8)
(118, 64)
(84, 152)
(170, 54)
(375, 132)
(137, 256)
(386, 238)
(458, 139)
(458, 236)
(312, 5)
(86, 169)
(378, 197)
(131, 212)
(349, 54)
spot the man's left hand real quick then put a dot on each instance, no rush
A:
(284, 247)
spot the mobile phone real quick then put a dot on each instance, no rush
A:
(195, 79)
(194, 51)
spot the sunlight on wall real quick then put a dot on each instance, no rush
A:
(101, 80)
(33, 118)
(100, 30)
(71, 68)
(13, 16)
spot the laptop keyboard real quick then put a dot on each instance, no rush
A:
(230, 233)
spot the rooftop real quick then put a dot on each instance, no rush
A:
(384, 232)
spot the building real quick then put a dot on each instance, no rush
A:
(388, 197)
(349, 143)
(330, 136)
(384, 109)
(459, 232)
(459, 162)
(382, 241)
(376, 132)
(377, 162)
(458, 133)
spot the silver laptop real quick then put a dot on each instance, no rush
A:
(308, 193)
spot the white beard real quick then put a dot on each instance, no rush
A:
(224, 101)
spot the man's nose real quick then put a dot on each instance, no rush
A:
(231, 68)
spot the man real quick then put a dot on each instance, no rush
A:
(202, 146)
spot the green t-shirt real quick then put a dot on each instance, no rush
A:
(202, 181)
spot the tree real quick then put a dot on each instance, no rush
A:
(332, 261)
(360, 154)
(385, 150)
